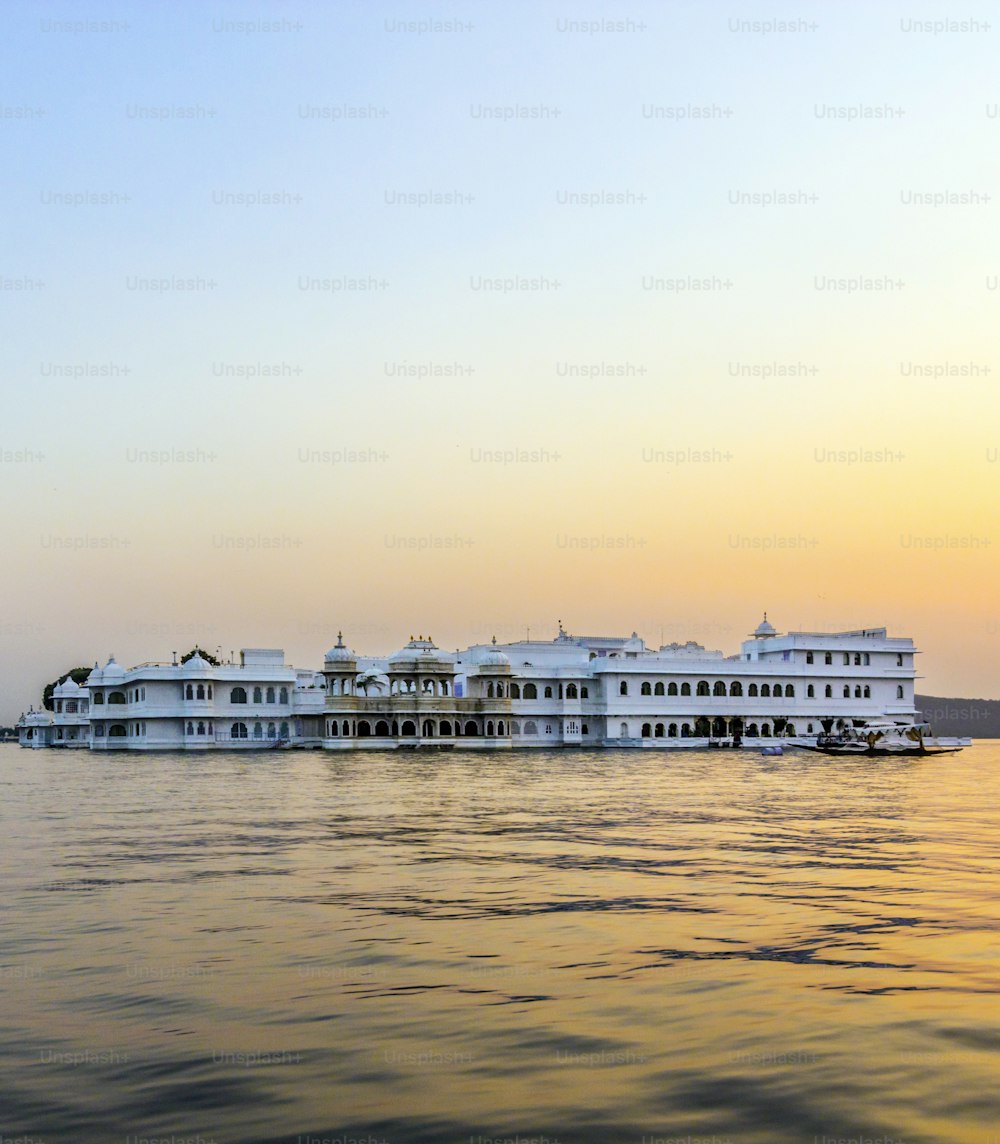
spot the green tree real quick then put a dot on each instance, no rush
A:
(79, 675)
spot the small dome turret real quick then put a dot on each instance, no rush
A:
(764, 629)
(424, 648)
(494, 657)
(196, 665)
(340, 652)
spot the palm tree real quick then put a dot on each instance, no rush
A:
(369, 679)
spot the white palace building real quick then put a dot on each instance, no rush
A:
(590, 691)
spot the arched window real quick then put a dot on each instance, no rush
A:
(500, 728)
(117, 731)
(828, 691)
(530, 692)
(382, 729)
(672, 731)
(809, 657)
(258, 695)
(736, 688)
(685, 730)
(685, 689)
(789, 728)
(702, 727)
(515, 691)
(201, 728)
(445, 727)
(489, 729)
(765, 730)
(238, 730)
(410, 728)
(623, 688)
(571, 692)
(238, 695)
(584, 693)
(647, 730)
(283, 731)
(98, 696)
(623, 729)
(283, 695)
(810, 692)
(857, 659)
(200, 694)
(703, 688)
(828, 657)
(752, 690)
(719, 688)
(547, 693)
(789, 691)
(847, 659)
(765, 690)
(847, 691)
(751, 731)
(777, 691)
(658, 733)
(658, 689)
(334, 728)
(868, 692)
(209, 692)
(868, 660)
(258, 731)
(189, 692)
(560, 691)
(272, 731)
(270, 695)
(531, 728)
(899, 691)
(809, 729)
(645, 689)
(515, 728)
(671, 688)
(190, 728)
(857, 691)
(116, 697)
(489, 690)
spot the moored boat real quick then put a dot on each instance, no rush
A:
(884, 737)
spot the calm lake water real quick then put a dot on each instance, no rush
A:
(563, 945)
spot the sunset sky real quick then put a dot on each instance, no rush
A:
(700, 320)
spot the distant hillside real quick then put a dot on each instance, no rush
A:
(979, 718)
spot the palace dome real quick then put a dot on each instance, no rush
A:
(196, 665)
(425, 649)
(494, 657)
(764, 628)
(340, 653)
(112, 671)
(94, 677)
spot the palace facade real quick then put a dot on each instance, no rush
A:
(569, 691)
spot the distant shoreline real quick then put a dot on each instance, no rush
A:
(978, 718)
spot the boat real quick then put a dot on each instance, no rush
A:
(884, 737)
